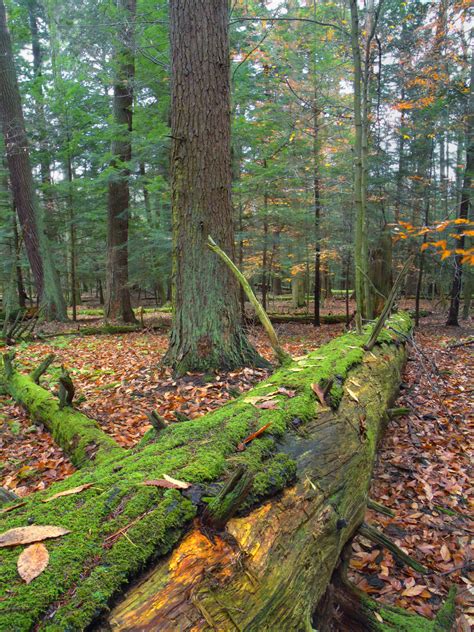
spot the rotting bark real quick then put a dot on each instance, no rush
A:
(310, 472)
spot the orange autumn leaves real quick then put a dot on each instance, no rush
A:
(441, 247)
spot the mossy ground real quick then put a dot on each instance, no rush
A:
(85, 568)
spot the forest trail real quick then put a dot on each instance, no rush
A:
(423, 468)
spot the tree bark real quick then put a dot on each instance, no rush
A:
(207, 331)
(118, 304)
(24, 195)
(453, 314)
(299, 489)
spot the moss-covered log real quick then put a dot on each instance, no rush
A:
(78, 435)
(267, 568)
(305, 319)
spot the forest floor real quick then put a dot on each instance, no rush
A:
(423, 470)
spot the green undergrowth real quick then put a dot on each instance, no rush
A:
(89, 565)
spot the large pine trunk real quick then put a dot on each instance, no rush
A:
(255, 553)
(207, 331)
(21, 179)
(118, 304)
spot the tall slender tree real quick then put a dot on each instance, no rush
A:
(207, 331)
(453, 314)
(22, 184)
(118, 304)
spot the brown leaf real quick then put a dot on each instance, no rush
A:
(253, 436)
(320, 393)
(160, 482)
(68, 492)
(25, 535)
(269, 404)
(11, 508)
(32, 562)
(413, 591)
(445, 554)
(286, 391)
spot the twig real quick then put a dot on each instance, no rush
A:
(387, 307)
(282, 356)
(373, 534)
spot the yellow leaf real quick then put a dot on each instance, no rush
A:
(32, 562)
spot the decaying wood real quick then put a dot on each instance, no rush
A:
(267, 570)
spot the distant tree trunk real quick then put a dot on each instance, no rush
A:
(317, 219)
(298, 290)
(21, 179)
(265, 250)
(207, 331)
(453, 314)
(118, 304)
(361, 245)
(381, 269)
(146, 194)
(19, 275)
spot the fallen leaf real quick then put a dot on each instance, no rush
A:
(178, 483)
(445, 554)
(161, 482)
(285, 391)
(352, 394)
(68, 492)
(413, 591)
(11, 508)
(253, 436)
(317, 390)
(25, 535)
(269, 404)
(32, 562)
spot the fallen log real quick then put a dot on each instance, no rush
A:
(297, 489)
(304, 319)
(77, 434)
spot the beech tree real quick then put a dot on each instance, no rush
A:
(21, 182)
(207, 331)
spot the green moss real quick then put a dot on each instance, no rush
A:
(398, 620)
(83, 574)
(77, 434)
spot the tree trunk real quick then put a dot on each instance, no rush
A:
(298, 291)
(299, 490)
(21, 179)
(453, 314)
(207, 331)
(317, 218)
(360, 245)
(381, 269)
(118, 304)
